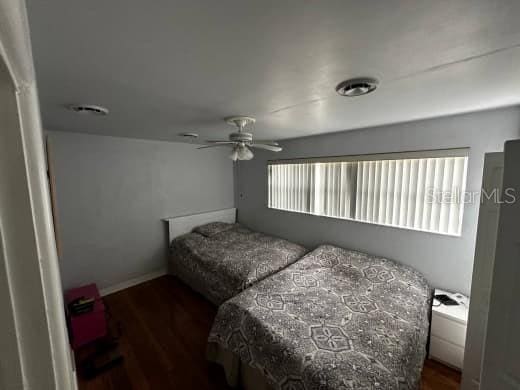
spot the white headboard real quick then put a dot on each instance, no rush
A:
(178, 226)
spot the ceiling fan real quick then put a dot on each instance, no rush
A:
(242, 142)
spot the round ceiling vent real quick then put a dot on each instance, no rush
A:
(88, 109)
(357, 87)
(189, 135)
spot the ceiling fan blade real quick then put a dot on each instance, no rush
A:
(272, 148)
(219, 142)
(215, 145)
(274, 143)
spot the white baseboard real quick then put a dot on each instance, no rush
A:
(132, 282)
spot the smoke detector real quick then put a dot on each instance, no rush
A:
(88, 109)
(357, 87)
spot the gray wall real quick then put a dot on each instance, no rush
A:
(446, 261)
(113, 192)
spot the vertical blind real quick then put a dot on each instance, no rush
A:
(415, 193)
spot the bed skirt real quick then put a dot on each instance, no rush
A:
(238, 374)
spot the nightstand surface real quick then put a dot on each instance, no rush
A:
(456, 313)
(448, 330)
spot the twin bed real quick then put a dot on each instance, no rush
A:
(329, 319)
(219, 258)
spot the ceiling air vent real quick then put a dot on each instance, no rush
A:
(357, 87)
(88, 109)
(189, 135)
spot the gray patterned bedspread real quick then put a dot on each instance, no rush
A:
(221, 266)
(336, 319)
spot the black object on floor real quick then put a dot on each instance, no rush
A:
(104, 358)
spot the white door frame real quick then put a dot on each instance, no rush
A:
(501, 365)
(39, 356)
(482, 270)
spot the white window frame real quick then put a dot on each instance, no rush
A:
(447, 157)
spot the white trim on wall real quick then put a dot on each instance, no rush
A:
(133, 282)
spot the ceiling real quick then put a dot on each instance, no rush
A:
(168, 66)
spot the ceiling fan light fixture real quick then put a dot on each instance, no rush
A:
(241, 152)
(357, 87)
(234, 154)
(244, 153)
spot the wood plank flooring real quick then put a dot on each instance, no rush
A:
(163, 329)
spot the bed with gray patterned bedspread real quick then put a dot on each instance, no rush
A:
(336, 319)
(226, 262)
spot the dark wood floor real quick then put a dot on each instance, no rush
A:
(163, 330)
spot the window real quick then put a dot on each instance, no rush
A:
(416, 190)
